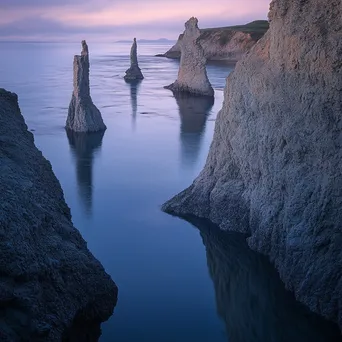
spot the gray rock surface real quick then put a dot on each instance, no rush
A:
(134, 72)
(192, 74)
(274, 168)
(83, 115)
(50, 283)
(224, 43)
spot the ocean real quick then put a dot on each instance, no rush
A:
(177, 282)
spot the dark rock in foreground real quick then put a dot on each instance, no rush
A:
(274, 168)
(83, 115)
(50, 283)
(134, 72)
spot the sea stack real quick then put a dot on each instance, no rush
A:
(192, 74)
(51, 286)
(134, 72)
(274, 168)
(83, 115)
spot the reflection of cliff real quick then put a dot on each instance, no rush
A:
(134, 88)
(83, 146)
(251, 298)
(193, 112)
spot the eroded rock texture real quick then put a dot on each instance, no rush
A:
(83, 115)
(48, 278)
(134, 72)
(192, 74)
(274, 166)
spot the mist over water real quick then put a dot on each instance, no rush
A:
(176, 283)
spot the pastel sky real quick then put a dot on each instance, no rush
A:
(111, 20)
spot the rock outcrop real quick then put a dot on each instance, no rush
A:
(250, 297)
(83, 115)
(274, 168)
(192, 74)
(49, 281)
(225, 43)
(134, 72)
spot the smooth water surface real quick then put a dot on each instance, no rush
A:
(174, 284)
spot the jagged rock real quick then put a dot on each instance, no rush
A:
(83, 115)
(224, 43)
(274, 168)
(134, 72)
(192, 74)
(48, 278)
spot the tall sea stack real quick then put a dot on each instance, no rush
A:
(192, 74)
(51, 287)
(274, 168)
(134, 72)
(83, 115)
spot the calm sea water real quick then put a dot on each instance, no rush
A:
(176, 282)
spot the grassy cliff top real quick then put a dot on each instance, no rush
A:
(256, 28)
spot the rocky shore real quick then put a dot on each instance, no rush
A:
(51, 287)
(224, 43)
(274, 168)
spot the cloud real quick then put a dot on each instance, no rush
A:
(109, 19)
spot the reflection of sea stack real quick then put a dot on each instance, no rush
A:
(193, 112)
(83, 115)
(192, 74)
(84, 145)
(134, 86)
(251, 298)
(134, 72)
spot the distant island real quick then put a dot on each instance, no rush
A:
(156, 41)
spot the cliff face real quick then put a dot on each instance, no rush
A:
(50, 284)
(274, 167)
(225, 43)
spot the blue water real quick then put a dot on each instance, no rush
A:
(115, 182)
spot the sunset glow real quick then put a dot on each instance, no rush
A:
(69, 20)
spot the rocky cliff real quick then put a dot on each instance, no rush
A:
(225, 43)
(274, 167)
(51, 286)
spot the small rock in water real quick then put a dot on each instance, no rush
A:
(134, 72)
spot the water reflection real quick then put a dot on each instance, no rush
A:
(134, 88)
(83, 146)
(193, 112)
(250, 297)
